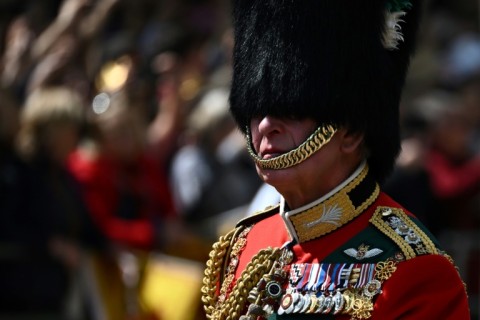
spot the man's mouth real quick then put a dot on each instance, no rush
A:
(270, 154)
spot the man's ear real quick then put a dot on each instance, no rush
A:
(351, 141)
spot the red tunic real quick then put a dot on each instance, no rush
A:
(330, 240)
(426, 287)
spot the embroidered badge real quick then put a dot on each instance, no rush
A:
(331, 214)
(363, 252)
(296, 272)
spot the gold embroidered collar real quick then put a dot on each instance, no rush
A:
(333, 210)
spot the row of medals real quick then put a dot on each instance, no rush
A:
(336, 302)
(339, 301)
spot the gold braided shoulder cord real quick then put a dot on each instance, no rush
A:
(234, 305)
(213, 271)
(260, 264)
(314, 142)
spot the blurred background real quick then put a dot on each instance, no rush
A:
(120, 164)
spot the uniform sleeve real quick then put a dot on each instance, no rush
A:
(426, 287)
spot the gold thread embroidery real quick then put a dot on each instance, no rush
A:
(237, 248)
(332, 213)
(362, 308)
(384, 270)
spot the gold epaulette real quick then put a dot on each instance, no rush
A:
(401, 229)
(259, 215)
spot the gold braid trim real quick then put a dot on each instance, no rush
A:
(260, 264)
(213, 271)
(235, 304)
(314, 142)
(332, 213)
(403, 231)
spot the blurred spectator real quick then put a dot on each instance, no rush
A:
(125, 188)
(265, 196)
(55, 229)
(410, 182)
(454, 171)
(438, 174)
(462, 60)
(211, 173)
(37, 56)
(17, 240)
(61, 52)
(25, 21)
(127, 192)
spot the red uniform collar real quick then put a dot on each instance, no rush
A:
(338, 207)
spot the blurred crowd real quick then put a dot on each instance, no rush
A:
(117, 151)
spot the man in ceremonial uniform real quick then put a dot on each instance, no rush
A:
(316, 88)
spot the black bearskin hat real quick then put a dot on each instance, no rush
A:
(339, 62)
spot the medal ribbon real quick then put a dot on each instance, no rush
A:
(328, 278)
(296, 273)
(322, 276)
(367, 273)
(313, 277)
(336, 276)
(306, 276)
(345, 275)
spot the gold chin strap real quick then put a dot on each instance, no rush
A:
(314, 142)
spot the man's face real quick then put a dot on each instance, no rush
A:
(272, 136)
(312, 178)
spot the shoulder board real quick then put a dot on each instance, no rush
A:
(259, 215)
(404, 231)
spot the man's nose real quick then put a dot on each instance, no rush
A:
(269, 125)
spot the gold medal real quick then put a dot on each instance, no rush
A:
(349, 297)
(313, 304)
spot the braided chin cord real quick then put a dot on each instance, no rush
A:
(314, 142)
(234, 305)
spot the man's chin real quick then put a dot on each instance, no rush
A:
(271, 176)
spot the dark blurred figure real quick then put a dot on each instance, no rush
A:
(438, 174)
(128, 195)
(453, 165)
(51, 231)
(17, 229)
(410, 181)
